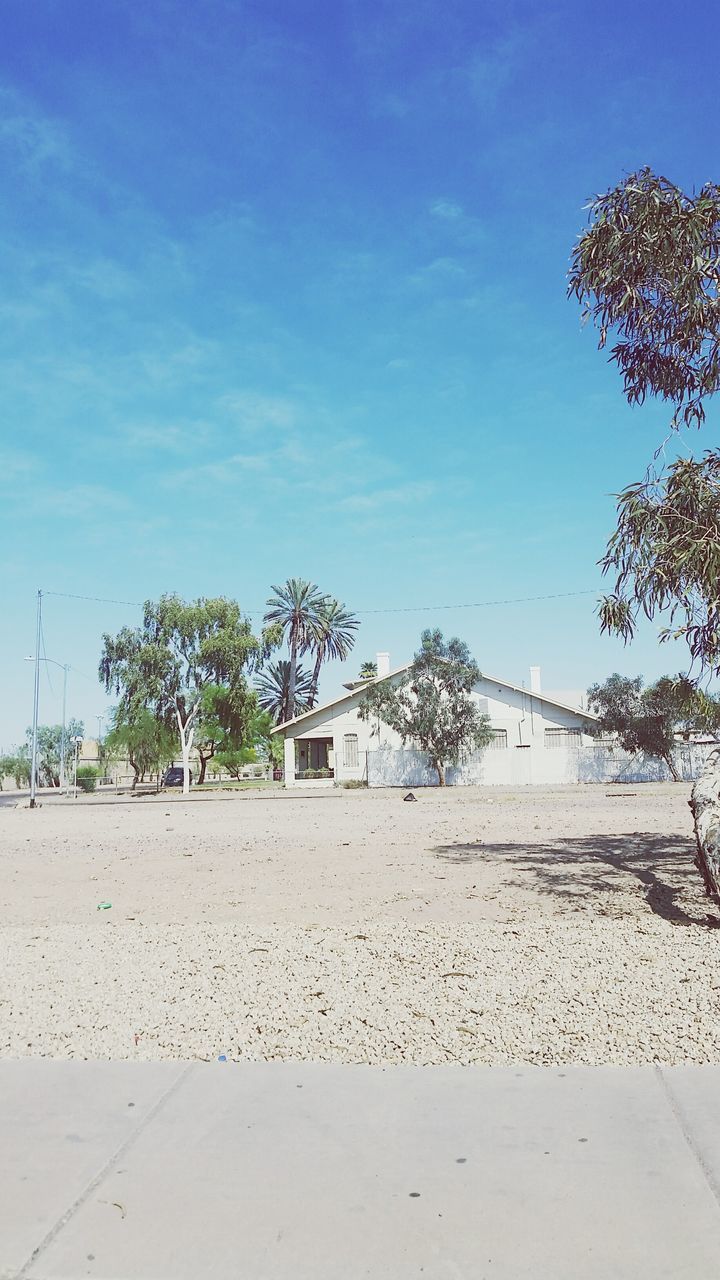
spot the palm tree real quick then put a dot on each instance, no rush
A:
(296, 606)
(333, 638)
(273, 690)
(368, 671)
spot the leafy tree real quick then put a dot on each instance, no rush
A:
(15, 765)
(644, 720)
(296, 607)
(165, 664)
(647, 270)
(135, 733)
(233, 761)
(273, 690)
(49, 742)
(19, 766)
(223, 722)
(87, 776)
(432, 705)
(333, 638)
(260, 748)
(368, 671)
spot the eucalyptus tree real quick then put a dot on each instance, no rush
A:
(180, 649)
(273, 690)
(647, 272)
(135, 733)
(296, 608)
(333, 638)
(432, 705)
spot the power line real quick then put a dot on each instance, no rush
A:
(478, 604)
(417, 608)
(45, 661)
(67, 595)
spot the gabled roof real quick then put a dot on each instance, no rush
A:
(399, 671)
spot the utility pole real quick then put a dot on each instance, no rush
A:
(36, 700)
(62, 740)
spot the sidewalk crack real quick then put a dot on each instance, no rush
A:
(710, 1177)
(102, 1173)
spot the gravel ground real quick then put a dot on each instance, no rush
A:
(562, 926)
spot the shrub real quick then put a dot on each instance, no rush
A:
(87, 777)
(352, 784)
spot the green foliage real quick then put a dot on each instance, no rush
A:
(333, 638)
(648, 270)
(432, 704)
(224, 721)
(651, 719)
(233, 762)
(134, 733)
(180, 649)
(273, 690)
(87, 777)
(368, 671)
(665, 554)
(295, 608)
(16, 765)
(49, 740)
(311, 622)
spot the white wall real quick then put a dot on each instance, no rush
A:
(534, 765)
(383, 761)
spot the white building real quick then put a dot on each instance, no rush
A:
(539, 738)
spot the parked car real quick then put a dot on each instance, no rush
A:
(174, 777)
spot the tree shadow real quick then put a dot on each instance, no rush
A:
(574, 869)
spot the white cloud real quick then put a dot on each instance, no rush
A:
(253, 411)
(399, 496)
(446, 209)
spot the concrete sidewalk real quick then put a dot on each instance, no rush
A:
(320, 1172)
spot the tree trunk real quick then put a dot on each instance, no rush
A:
(315, 679)
(440, 773)
(672, 767)
(705, 806)
(292, 679)
(187, 732)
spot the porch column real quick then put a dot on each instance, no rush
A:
(289, 762)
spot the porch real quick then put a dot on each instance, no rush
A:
(314, 759)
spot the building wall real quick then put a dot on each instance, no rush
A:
(526, 759)
(532, 766)
(522, 716)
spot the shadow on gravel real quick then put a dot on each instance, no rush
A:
(573, 870)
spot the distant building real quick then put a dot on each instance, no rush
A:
(538, 738)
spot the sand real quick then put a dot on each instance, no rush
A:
(551, 925)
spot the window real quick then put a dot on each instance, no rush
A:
(561, 739)
(499, 740)
(350, 751)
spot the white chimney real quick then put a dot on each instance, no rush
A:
(535, 686)
(382, 661)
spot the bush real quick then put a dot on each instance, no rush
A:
(87, 776)
(352, 784)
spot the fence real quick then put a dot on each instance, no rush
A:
(534, 765)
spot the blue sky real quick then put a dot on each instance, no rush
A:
(283, 293)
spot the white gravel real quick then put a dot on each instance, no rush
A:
(560, 993)
(526, 943)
